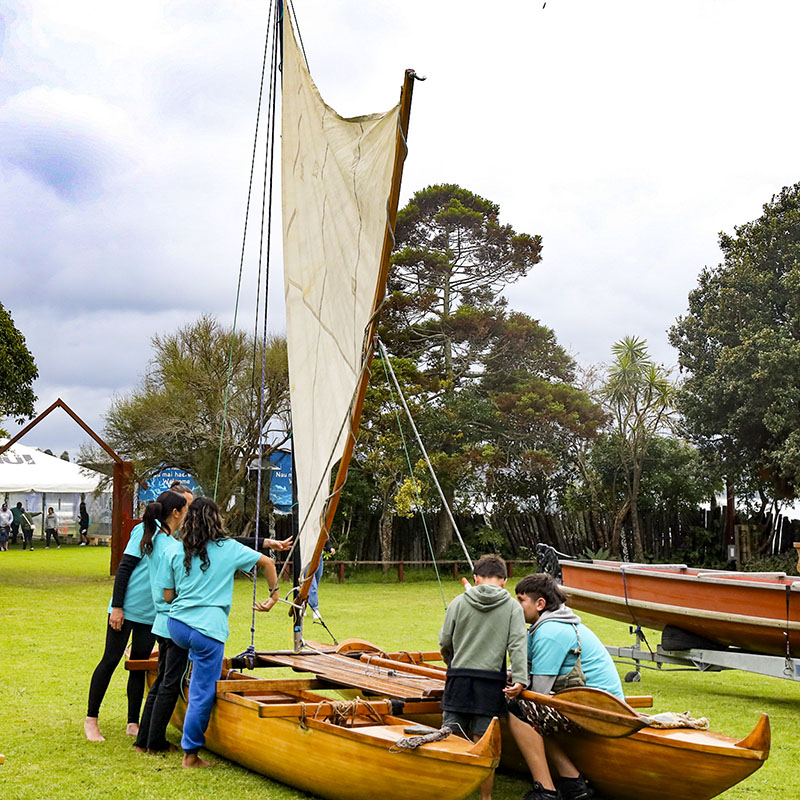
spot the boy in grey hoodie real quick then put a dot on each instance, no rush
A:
(480, 627)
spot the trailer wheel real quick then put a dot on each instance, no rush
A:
(633, 676)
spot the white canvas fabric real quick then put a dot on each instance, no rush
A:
(336, 180)
(25, 469)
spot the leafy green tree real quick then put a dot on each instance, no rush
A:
(452, 260)
(500, 406)
(540, 416)
(17, 372)
(386, 447)
(739, 347)
(638, 398)
(175, 415)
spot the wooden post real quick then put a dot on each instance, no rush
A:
(341, 572)
(510, 566)
(122, 510)
(455, 570)
(400, 571)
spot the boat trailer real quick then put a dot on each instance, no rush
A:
(700, 659)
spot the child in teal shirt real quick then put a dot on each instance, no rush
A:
(162, 520)
(198, 584)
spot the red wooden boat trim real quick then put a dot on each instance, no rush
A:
(694, 613)
(777, 581)
(752, 611)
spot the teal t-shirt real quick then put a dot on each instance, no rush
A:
(549, 654)
(204, 599)
(164, 545)
(138, 604)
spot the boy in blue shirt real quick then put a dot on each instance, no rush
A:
(562, 653)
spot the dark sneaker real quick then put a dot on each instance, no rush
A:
(575, 788)
(540, 793)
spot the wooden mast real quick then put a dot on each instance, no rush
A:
(369, 339)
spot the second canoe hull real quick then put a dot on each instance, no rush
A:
(656, 764)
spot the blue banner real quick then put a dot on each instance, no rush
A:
(161, 481)
(280, 489)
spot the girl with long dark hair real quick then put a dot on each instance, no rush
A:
(163, 694)
(131, 613)
(198, 584)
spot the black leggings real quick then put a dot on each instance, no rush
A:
(51, 532)
(116, 641)
(163, 695)
(27, 538)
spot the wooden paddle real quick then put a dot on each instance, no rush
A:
(593, 710)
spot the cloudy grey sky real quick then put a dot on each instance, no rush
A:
(627, 134)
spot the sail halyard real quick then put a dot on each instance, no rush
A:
(341, 180)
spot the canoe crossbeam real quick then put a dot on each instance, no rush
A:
(293, 699)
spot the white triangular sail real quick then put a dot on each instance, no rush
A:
(336, 181)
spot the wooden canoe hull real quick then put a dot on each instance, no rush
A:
(340, 763)
(752, 612)
(658, 764)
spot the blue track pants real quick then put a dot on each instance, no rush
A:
(206, 655)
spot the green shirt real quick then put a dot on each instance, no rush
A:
(480, 627)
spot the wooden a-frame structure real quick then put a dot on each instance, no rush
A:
(122, 488)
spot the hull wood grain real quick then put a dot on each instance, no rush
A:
(752, 612)
(344, 763)
(645, 766)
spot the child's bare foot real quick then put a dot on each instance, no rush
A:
(132, 729)
(141, 749)
(193, 760)
(92, 731)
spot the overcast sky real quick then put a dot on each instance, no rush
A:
(626, 134)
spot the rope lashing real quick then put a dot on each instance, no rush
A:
(344, 712)
(413, 742)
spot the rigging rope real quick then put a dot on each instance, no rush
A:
(266, 217)
(241, 256)
(425, 453)
(384, 360)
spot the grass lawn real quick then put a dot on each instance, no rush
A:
(54, 615)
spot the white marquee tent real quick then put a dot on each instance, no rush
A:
(25, 469)
(39, 481)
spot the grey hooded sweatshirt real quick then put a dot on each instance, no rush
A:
(480, 626)
(544, 683)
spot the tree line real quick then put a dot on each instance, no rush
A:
(515, 428)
